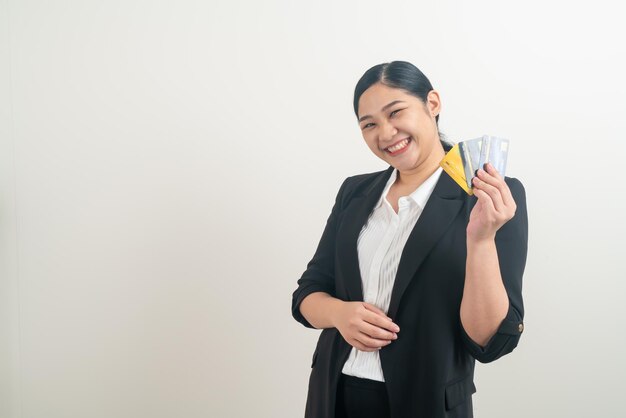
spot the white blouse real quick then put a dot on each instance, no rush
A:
(380, 245)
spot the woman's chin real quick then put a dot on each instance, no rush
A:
(406, 163)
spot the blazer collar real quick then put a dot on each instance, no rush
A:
(446, 187)
(441, 208)
(419, 196)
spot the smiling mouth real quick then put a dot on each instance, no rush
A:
(398, 145)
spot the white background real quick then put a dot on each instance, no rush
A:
(167, 169)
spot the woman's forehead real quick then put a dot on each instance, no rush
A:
(376, 97)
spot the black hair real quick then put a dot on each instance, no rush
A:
(402, 75)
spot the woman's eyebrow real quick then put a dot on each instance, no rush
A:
(385, 107)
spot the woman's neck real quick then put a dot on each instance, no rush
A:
(415, 177)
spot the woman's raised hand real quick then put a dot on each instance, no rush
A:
(365, 326)
(495, 205)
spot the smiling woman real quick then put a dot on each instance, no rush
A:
(402, 130)
(413, 279)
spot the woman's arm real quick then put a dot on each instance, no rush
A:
(314, 305)
(363, 325)
(319, 309)
(485, 301)
(491, 308)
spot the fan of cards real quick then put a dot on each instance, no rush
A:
(462, 161)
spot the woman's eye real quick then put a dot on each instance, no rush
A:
(368, 125)
(394, 112)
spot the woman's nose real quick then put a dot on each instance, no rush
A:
(387, 131)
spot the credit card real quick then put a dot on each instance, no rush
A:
(462, 161)
(470, 153)
(452, 164)
(495, 151)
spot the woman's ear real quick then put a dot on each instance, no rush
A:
(433, 103)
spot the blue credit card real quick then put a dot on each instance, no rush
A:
(495, 151)
(470, 155)
(478, 151)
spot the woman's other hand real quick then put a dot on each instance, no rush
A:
(365, 326)
(495, 205)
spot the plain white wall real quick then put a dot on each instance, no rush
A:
(167, 169)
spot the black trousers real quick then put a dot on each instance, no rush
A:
(361, 398)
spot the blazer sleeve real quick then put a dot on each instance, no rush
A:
(319, 275)
(512, 245)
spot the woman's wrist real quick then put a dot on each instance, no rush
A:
(321, 309)
(485, 241)
(334, 307)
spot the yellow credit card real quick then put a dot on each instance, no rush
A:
(452, 164)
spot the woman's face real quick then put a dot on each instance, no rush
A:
(392, 118)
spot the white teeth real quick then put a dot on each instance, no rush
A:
(398, 146)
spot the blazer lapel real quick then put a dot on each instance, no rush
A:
(442, 207)
(356, 214)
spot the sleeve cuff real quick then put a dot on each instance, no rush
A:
(502, 342)
(299, 296)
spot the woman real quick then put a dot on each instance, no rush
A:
(413, 279)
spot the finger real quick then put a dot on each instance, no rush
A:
(489, 178)
(492, 191)
(484, 199)
(497, 182)
(359, 346)
(381, 322)
(370, 342)
(380, 312)
(489, 168)
(377, 332)
(363, 347)
(505, 191)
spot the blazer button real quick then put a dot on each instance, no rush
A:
(520, 327)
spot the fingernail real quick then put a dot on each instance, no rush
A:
(485, 166)
(476, 172)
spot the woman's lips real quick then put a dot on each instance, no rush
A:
(401, 150)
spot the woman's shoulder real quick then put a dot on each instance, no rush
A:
(357, 180)
(360, 183)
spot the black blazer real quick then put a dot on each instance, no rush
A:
(429, 369)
